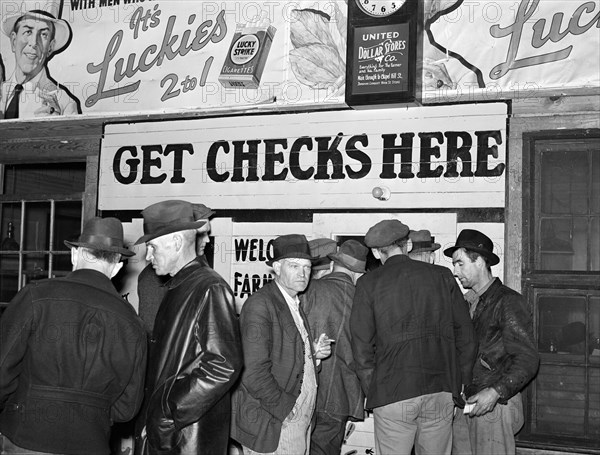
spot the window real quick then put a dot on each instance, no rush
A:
(40, 207)
(562, 284)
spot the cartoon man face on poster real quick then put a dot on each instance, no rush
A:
(35, 35)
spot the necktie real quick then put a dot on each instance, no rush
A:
(12, 111)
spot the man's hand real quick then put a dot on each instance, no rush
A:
(484, 401)
(323, 347)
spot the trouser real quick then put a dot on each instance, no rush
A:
(8, 448)
(327, 435)
(489, 434)
(424, 422)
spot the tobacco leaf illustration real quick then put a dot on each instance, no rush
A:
(317, 65)
(319, 41)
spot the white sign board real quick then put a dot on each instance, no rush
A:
(438, 156)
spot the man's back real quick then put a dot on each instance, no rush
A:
(73, 360)
(420, 325)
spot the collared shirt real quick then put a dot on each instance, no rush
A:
(472, 296)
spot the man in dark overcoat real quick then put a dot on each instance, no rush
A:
(328, 303)
(72, 354)
(195, 352)
(413, 344)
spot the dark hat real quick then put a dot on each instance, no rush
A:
(202, 212)
(385, 233)
(352, 255)
(104, 234)
(167, 217)
(422, 241)
(290, 246)
(320, 248)
(476, 241)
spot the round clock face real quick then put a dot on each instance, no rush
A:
(380, 8)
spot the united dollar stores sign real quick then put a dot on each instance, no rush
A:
(427, 157)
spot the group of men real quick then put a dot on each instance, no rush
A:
(289, 373)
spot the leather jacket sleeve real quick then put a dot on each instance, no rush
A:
(205, 379)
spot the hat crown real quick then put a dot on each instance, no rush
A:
(385, 233)
(354, 249)
(474, 239)
(290, 246)
(167, 217)
(105, 234)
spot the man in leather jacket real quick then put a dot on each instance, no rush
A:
(195, 354)
(72, 354)
(507, 358)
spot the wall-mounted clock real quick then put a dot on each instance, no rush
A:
(380, 8)
(382, 52)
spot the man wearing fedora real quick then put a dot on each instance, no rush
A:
(35, 36)
(328, 303)
(321, 248)
(72, 354)
(413, 345)
(151, 287)
(507, 358)
(195, 353)
(423, 246)
(274, 402)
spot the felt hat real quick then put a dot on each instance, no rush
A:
(476, 241)
(167, 217)
(320, 248)
(104, 234)
(40, 11)
(352, 255)
(385, 233)
(290, 246)
(422, 241)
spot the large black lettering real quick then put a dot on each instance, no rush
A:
(427, 151)
(251, 157)
(295, 168)
(358, 155)
(272, 157)
(484, 150)
(133, 164)
(391, 149)
(241, 249)
(178, 150)
(456, 152)
(211, 161)
(148, 163)
(326, 154)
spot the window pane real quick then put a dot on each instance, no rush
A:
(46, 178)
(67, 224)
(594, 322)
(594, 402)
(35, 267)
(595, 193)
(561, 324)
(595, 244)
(564, 182)
(560, 400)
(37, 219)
(9, 276)
(10, 226)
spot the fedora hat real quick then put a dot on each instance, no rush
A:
(320, 249)
(422, 241)
(385, 233)
(47, 11)
(352, 255)
(202, 212)
(105, 234)
(476, 241)
(167, 217)
(290, 246)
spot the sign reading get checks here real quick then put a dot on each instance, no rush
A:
(439, 156)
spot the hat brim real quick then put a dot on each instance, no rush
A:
(492, 258)
(349, 262)
(62, 30)
(433, 247)
(169, 229)
(111, 249)
(293, 256)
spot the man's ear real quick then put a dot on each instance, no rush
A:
(13, 39)
(117, 267)
(277, 267)
(376, 253)
(74, 256)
